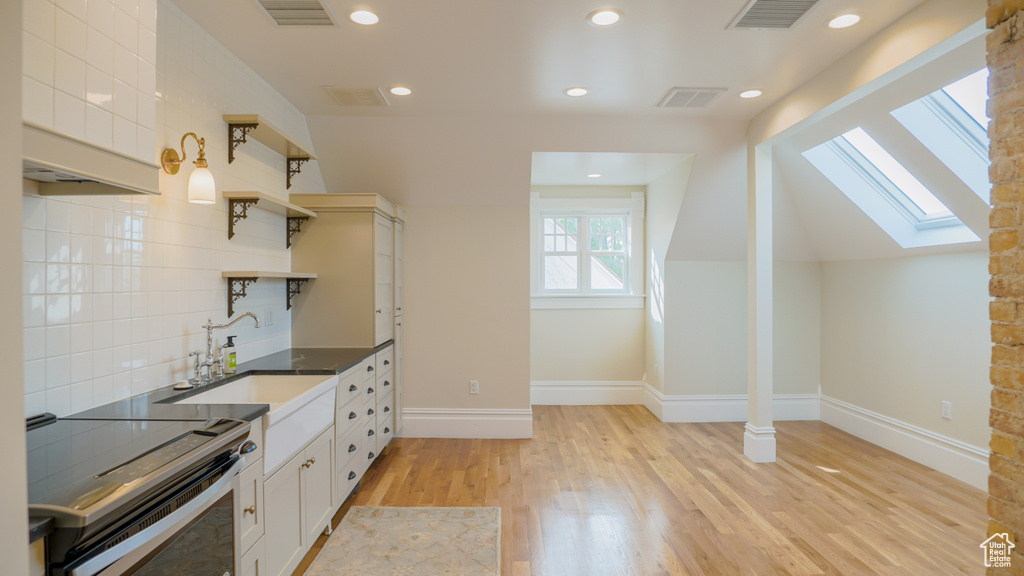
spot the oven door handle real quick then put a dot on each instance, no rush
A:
(114, 561)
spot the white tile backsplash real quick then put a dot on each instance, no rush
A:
(116, 289)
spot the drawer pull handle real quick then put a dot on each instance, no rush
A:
(399, 324)
(247, 447)
(387, 362)
(351, 475)
(312, 461)
(387, 383)
(353, 388)
(399, 308)
(351, 447)
(369, 412)
(387, 409)
(379, 311)
(370, 456)
(370, 433)
(249, 510)
(387, 430)
(369, 390)
(369, 368)
(351, 415)
(306, 464)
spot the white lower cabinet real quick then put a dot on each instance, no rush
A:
(298, 504)
(254, 562)
(250, 505)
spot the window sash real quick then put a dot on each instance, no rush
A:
(584, 254)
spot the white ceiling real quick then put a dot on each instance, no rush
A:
(614, 168)
(484, 57)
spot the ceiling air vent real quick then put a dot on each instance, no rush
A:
(298, 12)
(690, 97)
(357, 96)
(772, 14)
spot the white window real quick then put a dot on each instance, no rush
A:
(887, 192)
(587, 253)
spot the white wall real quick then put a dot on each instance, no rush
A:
(13, 474)
(797, 327)
(116, 289)
(899, 336)
(467, 307)
(664, 197)
(587, 345)
(705, 328)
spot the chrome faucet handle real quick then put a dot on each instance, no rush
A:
(195, 367)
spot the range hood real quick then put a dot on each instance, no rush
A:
(66, 166)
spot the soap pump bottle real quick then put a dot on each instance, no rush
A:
(231, 361)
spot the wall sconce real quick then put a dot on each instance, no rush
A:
(201, 189)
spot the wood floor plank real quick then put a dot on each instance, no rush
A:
(611, 490)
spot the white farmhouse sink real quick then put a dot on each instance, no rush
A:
(301, 406)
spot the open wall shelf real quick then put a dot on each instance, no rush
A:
(241, 126)
(240, 202)
(238, 281)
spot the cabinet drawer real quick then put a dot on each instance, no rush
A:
(385, 432)
(385, 407)
(348, 419)
(349, 448)
(368, 368)
(250, 506)
(385, 361)
(385, 383)
(349, 388)
(254, 562)
(348, 477)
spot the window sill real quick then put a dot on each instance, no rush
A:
(586, 302)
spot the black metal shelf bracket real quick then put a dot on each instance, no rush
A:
(294, 227)
(294, 289)
(236, 137)
(294, 167)
(236, 290)
(238, 210)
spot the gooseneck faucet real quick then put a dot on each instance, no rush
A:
(210, 362)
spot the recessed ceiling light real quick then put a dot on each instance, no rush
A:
(364, 17)
(843, 21)
(576, 92)
(750, 93)
(604, 17)
(595, 175)
(401, 91)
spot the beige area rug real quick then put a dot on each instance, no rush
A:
(392, 541)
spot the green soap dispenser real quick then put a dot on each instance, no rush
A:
(230, 360)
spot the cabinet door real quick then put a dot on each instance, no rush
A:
(397, 393)
(318, 496)
(283, 518)
(383, 319)
(383, 277)
(254, 562)
(399, 250)
(250, 508)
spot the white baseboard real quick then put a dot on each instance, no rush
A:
(572, 393)
(466, 423)
(726, 407)
(957, 459)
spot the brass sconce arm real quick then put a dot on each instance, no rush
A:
(171, 162)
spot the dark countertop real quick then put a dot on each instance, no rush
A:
(156, 404)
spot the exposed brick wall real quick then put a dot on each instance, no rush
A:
(1006, 108)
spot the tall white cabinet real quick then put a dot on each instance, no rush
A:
(351, 248)
(399, 249)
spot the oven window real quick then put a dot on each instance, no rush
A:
(203, 548)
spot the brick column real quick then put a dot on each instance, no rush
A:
(1006, 108)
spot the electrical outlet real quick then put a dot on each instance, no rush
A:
(268, 316)
(474, 386)
(947, 410)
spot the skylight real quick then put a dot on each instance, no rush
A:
(887, 192)
(952, 124)
(896, 173)
(971, 93)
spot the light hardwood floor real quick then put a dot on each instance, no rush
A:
(611, 490)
